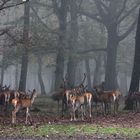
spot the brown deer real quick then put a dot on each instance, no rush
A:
(20, 103)
(58, 96)
(108, 98)
(135, 97)
(79, 90)
(6, 96)
(79, 102)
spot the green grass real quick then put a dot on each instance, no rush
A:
(68, 130)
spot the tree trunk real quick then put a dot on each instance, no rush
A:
(71, 69)
(16, 75)
(134, 85)
(123, 83)
(42, 87)
(2, 69)
(88, 72)
(110, 70)
(97, 72)
(24, 63)
(62, 16)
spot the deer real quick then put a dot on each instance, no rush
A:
(6, 95)
(20, 103)
(108, 97)
(135, 97)
(79, 102)
(78, 90)
(58, 96)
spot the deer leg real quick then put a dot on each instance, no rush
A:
(58, 107)
(134, 106)
(27, 114)
(90, 109)
(14, 114)
(74, 116)
(13, 117)
(105, 109)
(82, 110)
(114, 107)
(71, 114)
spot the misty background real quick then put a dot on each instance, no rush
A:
(69, 37)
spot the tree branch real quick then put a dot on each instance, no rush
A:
(104, 6)
(92, 50)
(55, 7)
(128, 13)
(42, 21)
(38, 3)
(122, 9)
(100, 9)
(2, 32)
(2, 7)
(124, 35)
(13, 38)
(90, 15)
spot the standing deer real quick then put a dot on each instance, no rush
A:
(20, 103)
(108, 98)
(79, 102)
(135, 97)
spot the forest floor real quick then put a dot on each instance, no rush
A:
(46, 124)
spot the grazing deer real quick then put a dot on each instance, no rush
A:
(20, 103)
(79, 102)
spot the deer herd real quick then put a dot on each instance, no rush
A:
(76, 101)
(79, 99)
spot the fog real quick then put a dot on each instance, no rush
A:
(67, 38)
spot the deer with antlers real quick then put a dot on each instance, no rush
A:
(20, 103)
(79, 90)
(79, 103)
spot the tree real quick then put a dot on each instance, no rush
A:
(24, 63)
(112, 14)
(134, 85)
(71, 68)
(61, 12)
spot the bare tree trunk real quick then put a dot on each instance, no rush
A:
(110, 70)
(16, 76)
(123, 83)
(42, 87)
(134, 85)
(62, 16)
(2, 71)
(97, 72)
(88, 72)
(72, 42)
(24, 63)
